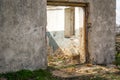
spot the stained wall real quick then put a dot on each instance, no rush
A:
(22, 35)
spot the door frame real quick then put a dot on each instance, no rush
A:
(85, 6)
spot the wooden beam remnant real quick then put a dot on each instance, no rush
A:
(66, 3)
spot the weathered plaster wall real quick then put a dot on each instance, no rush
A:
(101, 34)
(22, 35)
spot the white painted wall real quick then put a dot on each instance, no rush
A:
(79, 15)
(55, 18)
(117, 17)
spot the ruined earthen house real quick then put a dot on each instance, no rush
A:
(23, 32)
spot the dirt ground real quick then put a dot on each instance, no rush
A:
(65, 69)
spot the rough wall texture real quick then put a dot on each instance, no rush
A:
(22, 35)
(101, 34)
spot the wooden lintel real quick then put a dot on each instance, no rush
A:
(66, 3)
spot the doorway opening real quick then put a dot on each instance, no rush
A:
(66, 33)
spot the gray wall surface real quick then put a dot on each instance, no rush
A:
(101, 35)
(22, 35)
(101, 38)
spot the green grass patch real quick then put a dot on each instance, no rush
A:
(46, 75)
(27, 74)
(117, 59)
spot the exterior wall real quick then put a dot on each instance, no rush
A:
(101, 34)
(22, 35)
(101, 38)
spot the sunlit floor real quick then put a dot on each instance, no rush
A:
(64, 67)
